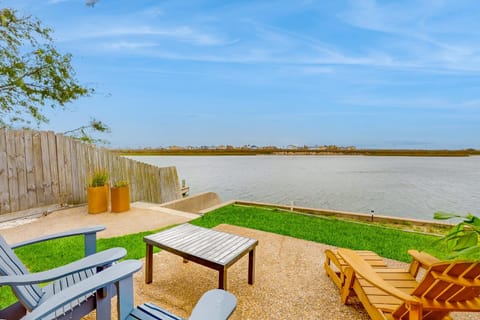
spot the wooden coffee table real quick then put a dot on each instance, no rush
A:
(211, 248)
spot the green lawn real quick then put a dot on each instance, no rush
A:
(387, 242)
(390, 243)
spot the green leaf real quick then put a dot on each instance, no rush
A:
(467, 240)
(444, 215)
(475, 221)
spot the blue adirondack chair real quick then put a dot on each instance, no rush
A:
(30, 295)
(215, 304)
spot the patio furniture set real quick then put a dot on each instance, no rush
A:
(429, 289)
(76, 289)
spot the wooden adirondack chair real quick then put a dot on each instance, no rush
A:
(30, 295)
(335, 265)
(395, 294)
(215, 304)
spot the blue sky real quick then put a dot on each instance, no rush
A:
(381, 74)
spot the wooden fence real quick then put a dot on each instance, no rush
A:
(39, 168)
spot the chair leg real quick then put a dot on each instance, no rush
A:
(125, 297)
(14, 311)
(104, 304)
(415, 312)
(349, 280)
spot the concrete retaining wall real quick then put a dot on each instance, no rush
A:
(347, 214)
(195, 204)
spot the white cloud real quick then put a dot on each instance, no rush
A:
(182, 33)
(121, 45)
(57, 1)
(427, 103)
(421, 37)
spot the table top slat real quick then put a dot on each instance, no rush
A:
(231, 254)
(199, 244)
(234, 245)
(176, 236)
(212, 252)
(183, 237)
(186, 240)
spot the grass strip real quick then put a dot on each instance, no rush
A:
(387, 242)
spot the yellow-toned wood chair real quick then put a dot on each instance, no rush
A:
(335, 266)
(396, 294)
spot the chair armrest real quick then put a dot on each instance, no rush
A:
(99, 259)
(90, 234)
(120, 271)
(362, 268)
(214, 304)
(420, 260)
(424, 258)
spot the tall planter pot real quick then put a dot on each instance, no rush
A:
(120, 199)
(97, 198)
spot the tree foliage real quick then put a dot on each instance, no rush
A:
(84, 133)
(33, 74)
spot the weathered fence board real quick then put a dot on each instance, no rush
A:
(37, 160)
(52, 152)
(4, 193)
(12, 171)
(21, 170)
(39, 168)
(47, 179)
(30, 167)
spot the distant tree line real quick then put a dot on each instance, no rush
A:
(272, 150)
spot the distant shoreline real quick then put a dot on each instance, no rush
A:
(300, 152)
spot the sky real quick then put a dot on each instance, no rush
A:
(364, 73)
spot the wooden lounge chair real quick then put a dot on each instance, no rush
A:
(215, 304)
(395, 294)
(335, 265)
(30, 295)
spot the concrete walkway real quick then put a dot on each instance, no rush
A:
(141, 217)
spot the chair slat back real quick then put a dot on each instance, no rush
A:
(454, 282)
(28, 295)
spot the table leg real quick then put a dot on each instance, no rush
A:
(149, 264)
(222, 279)
(251, 266)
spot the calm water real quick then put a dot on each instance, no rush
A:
(398, 186)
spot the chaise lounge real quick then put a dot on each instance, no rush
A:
(396, 294)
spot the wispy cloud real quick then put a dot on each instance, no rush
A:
(180, 33)
(57, 1)
(242, 38)
(416, 37)
(426, 103)
(122, 45)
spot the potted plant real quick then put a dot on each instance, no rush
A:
(97, 192)
(120, 196)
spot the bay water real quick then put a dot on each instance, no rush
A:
(410, 187)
